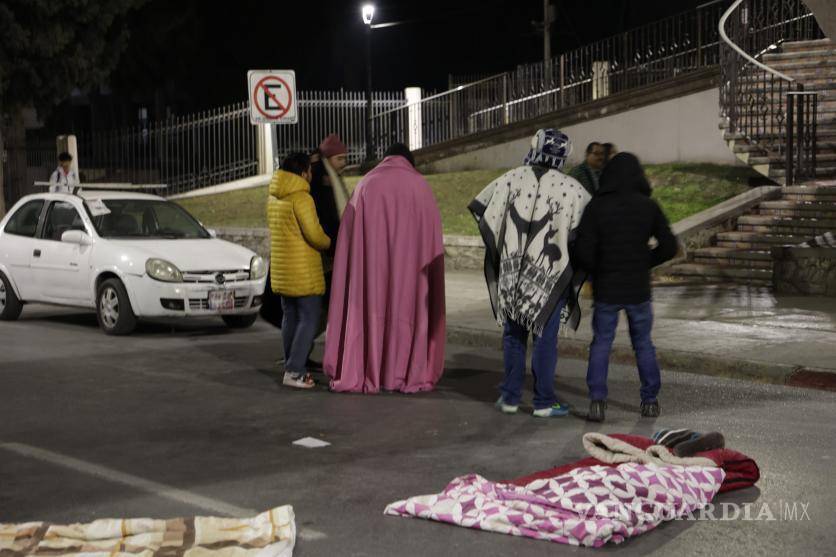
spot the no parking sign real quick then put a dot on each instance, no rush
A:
(272, 96)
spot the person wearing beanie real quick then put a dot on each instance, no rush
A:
(329, 162)
(526, 218)
(613, 246)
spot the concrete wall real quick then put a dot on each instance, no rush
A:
(810, 271)
(683, 129)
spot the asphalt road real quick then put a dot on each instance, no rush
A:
(94, 426)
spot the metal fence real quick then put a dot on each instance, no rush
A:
(342, 112)
(680, 44)
(185, 152)
(220, 145)
(759, 104)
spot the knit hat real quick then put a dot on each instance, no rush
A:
(332, 146)
(707, 442)
(685, 442)
(670, 438)
(549, 148)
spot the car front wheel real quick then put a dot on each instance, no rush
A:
(10, 306)
(240, 321)
(113, 308)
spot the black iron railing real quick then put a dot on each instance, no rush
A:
(678, 45)
(761, 105)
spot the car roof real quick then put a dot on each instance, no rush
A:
(94, 194)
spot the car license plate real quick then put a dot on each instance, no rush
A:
(221, 299)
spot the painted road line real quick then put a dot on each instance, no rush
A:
(149, 486)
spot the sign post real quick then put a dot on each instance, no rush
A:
(272, 97)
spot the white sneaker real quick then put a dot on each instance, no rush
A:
(506, 408)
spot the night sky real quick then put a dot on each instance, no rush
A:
(196, 53)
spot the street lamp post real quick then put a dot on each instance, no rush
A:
(368, 16)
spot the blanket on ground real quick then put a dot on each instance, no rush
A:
(269, 534)
(588, 506)
(610, 450)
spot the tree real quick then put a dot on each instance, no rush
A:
(48, 48)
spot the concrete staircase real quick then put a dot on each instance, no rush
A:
(743, 255)
(812, 63)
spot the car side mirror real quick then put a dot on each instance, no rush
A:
(76, 237)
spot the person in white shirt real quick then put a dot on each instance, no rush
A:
(64, 178)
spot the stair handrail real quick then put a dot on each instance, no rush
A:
(761, 105)
(724, 36)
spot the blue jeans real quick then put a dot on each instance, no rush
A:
(604, 323)
(299, 328)
(543, 361)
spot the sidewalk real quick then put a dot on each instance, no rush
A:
(733, 331)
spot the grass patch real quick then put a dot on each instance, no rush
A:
(681, 189)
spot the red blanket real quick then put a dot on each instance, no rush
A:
(741, 471)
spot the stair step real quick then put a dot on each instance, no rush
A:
(825, 90)
(757, 240)
(797, 209)
(807, 61)
(825, 135)
(768, 224)
(822, 191)
(760, 277)
(733, 257)
(807, 46)
(822, 171)
(779, 57)
(822, 159)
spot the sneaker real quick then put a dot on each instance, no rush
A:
(597, 409)
(650, 409)
(506, 408)
(557, 410)
(298, 380)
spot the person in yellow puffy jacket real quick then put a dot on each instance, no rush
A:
(297, 241)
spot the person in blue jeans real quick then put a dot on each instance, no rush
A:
(526, 218)
(543, 365)
(613, 245)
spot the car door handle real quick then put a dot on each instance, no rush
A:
(37, 253)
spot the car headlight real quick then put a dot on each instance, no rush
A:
(160, 269)
(258, 268)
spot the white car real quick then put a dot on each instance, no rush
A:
(128, 256)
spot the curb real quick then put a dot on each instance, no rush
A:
(674, 360)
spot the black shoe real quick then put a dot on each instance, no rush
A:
(650, 409)
(596, 410)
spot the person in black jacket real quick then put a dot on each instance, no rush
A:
(612, 244)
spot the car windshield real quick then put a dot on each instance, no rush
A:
(143, 218)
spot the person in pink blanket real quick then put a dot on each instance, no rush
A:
(386, 322)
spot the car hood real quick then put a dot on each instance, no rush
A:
(210, 254)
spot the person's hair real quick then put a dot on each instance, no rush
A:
(591, 147)
(401, 150)
(609, 150)
(65, 157)
(296, 163)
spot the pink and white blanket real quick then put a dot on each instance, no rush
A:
(588, 506)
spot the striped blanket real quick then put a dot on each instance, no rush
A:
(270, 534)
